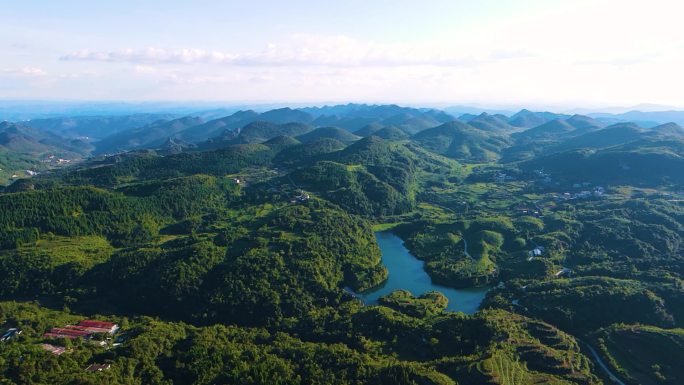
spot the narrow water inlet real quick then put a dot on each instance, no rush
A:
(406, 272)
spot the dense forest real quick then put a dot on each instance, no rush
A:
(243, 259)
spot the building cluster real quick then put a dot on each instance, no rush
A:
(85, 329)
(543, 176)
(26, 172)
(51, 159)
(301, 198)
(597, 192)
(541, 173)
(525, 210)
(502, 177)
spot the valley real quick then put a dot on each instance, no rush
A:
(347, 244)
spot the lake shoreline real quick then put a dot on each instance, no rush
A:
(406, 272)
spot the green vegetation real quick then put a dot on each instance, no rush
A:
(428, 304)
(643, 354)
(334, 133)
(376, 345)
(180, 253)
(239, 264)
(262, 131)
(462, 141)
(148, 136)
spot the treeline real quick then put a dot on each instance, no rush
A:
(623, 261)
(282, 265)
(332, 345)
(184, 253)
(151, 166)
(374, 177)
(132, 215)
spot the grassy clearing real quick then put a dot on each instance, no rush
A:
(386, 226)
(86, 250)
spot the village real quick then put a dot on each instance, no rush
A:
(49, 161)
(98, 333)
(296, 195)
(55, 160)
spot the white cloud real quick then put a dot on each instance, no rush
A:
(145, 69)
(312, 50)
(582, 52)
(26, 71)
(33, 71)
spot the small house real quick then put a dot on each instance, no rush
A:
(536, 252)
(56, 350)
(303, 197)
(93, 368)
(9, 334)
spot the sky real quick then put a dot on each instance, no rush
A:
(496, 53)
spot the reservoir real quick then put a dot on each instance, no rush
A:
(406, 272)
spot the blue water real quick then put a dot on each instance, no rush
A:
(406, 272)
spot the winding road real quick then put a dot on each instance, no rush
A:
(465, 248)
(603, 366)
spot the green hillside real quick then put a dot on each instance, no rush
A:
(148, 136)
(643, 162)
(391, 133)
(262, 131)
(334, 133)
(252, 258)
(25, 150)
(491, 123)
(463, 142)
(643, 354)
(306, 153)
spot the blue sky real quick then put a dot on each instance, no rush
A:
(494, 52)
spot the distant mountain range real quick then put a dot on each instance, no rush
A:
(148, 136)
(95, 127)
(25, 150)
(240, 125)
(23, 139)
(643, 118)
(469, 137)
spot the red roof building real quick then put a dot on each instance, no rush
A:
(99, 326)
(67, 333)
(84, 329)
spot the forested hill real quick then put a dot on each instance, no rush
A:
(49, 143)
(242, 258)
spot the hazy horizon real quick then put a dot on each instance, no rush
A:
(18, 109)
